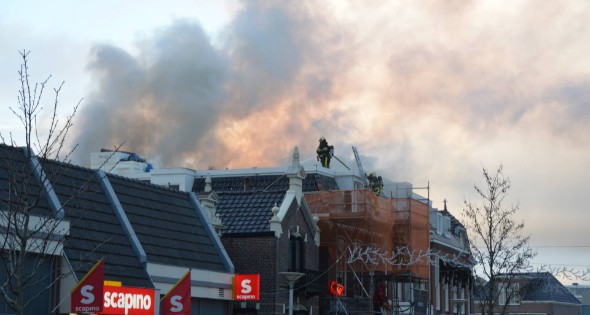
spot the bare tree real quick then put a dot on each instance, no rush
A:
(32, 228)
(499, 246)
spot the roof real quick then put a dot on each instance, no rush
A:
(541, 287)
(245, 202)
(311, 183)
(95, 231)
(13, 166)
(247, 212)
(167, 225)
(545, 287)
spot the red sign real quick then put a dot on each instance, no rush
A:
(86, 295)
(128, 301)
(178, 300)
(336, 288)
(247, 287)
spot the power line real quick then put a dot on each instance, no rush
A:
(553, 264)
(561, 246)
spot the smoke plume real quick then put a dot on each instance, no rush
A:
(402, 81)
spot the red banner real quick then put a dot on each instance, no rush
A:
(178, 300)
(128, 301)
(247, 287)
(87, 294)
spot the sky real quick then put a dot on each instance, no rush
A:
(430, 92)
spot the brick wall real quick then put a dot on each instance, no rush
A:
(266, 255)
(255, 255)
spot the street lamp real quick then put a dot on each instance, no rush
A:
(291, 277)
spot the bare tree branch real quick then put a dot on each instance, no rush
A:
(32, 229)
(496, 239)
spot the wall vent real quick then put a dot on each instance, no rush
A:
(221, 293)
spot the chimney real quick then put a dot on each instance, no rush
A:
(246, 182)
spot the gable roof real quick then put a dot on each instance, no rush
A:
(167, 225)
(245, 201)
(95, 231)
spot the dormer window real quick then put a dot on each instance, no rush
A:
(446, 228)
(441, 224)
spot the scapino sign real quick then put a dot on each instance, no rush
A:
(247, 287)
(85, 297)
(178, 300)
(116, 299)
(128, 301)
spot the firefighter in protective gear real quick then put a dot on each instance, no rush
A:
(375, 182)
(324, 152)
(380, 304)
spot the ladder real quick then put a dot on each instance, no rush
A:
(359, 165)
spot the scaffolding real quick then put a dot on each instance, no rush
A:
(361, 219)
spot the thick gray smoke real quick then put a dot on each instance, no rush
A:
(429, 91)
(164, 101)
(404, 82)
(187, 103)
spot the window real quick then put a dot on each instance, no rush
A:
(297, 253)
(509, 294)
(446, 228)
(404, 292)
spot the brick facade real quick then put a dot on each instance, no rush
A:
(267, 255)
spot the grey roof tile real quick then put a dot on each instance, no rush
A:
(167, 225)
(247, 212)
(13, 166)
(250, 211)
(165, 221)
(95, 231)
(545, 287)
(540, 287)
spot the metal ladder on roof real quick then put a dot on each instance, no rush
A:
(359, 165)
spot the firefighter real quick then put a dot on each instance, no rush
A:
(375, 182)
(380, 303)
(325, 152)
